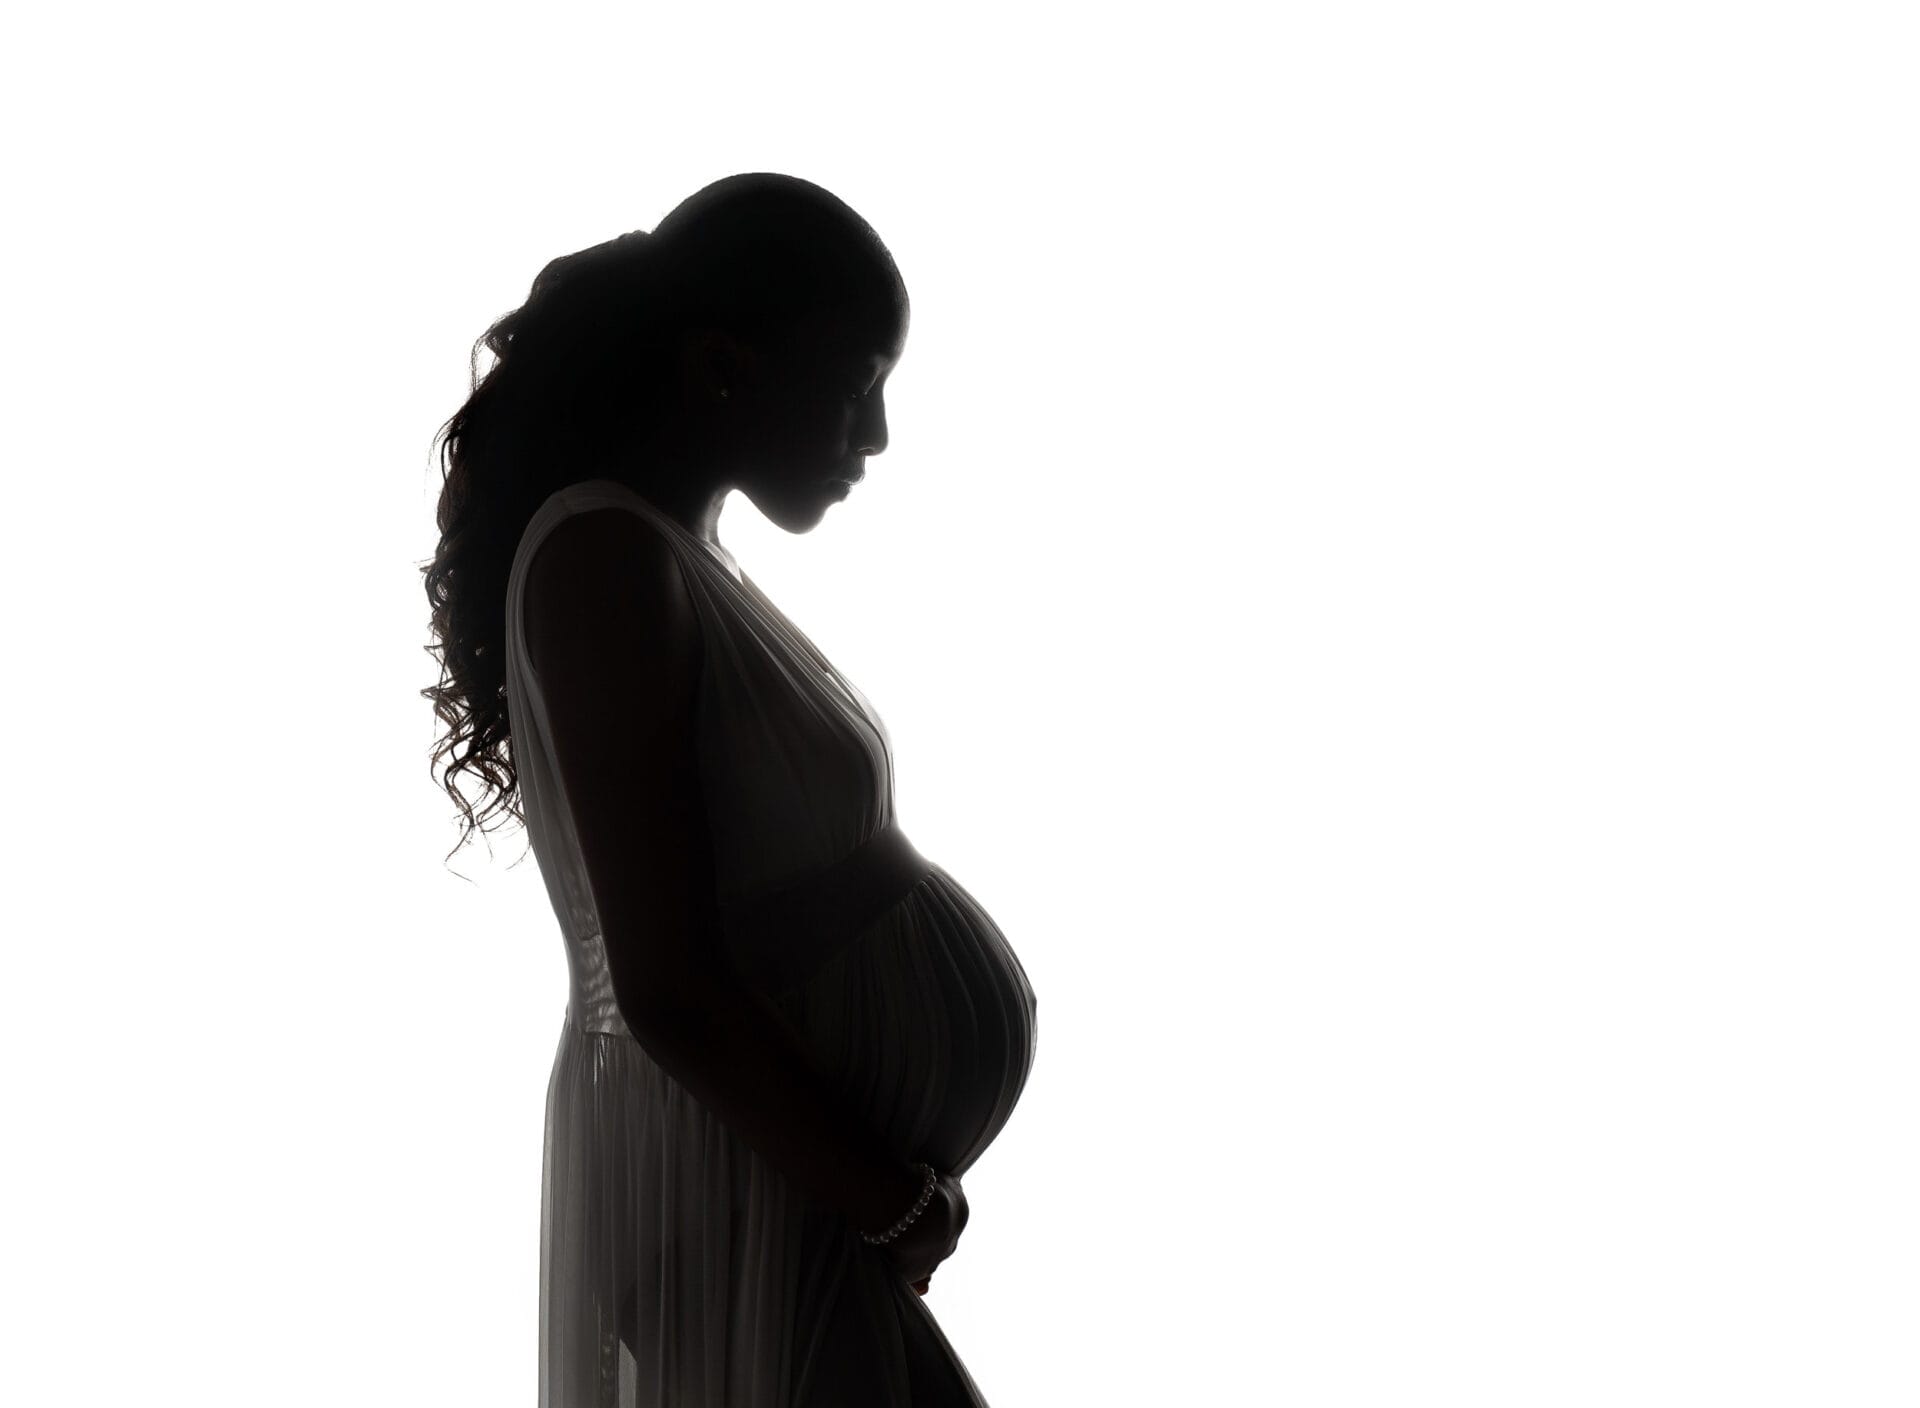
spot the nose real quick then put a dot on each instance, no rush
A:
(870, 436)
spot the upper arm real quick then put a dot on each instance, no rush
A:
(614, 640)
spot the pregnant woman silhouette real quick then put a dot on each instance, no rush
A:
(788, 1033)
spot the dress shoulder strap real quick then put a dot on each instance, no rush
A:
(600, 493)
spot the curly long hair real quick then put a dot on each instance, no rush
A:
(578, 373)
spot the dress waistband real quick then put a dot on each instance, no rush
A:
(781, 938)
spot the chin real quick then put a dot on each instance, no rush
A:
(796, 511)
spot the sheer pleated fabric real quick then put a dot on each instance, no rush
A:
(679, 1269)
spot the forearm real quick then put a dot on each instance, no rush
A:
(734, 1052)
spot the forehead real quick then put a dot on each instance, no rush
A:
(867, 335)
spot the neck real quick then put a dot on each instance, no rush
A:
(686, 494)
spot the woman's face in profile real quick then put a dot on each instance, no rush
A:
(814, 414)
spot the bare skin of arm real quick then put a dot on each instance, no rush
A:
(613, 636)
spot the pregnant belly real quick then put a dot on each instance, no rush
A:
(924, 1025)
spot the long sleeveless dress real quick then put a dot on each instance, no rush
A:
(680, 1269)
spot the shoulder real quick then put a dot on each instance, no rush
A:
(605, 543)
(602, 583)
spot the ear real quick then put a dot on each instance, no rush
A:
(715, 360)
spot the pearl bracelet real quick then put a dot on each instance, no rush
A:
(929, 1179)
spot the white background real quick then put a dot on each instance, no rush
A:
(1394, 581)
